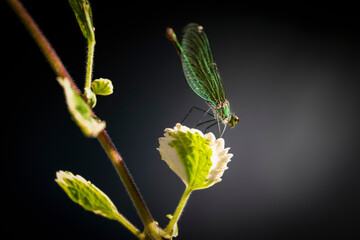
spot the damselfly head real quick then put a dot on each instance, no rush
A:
(233, 120)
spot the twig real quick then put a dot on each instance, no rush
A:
(150, 226)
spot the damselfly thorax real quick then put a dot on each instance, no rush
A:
(222, 110)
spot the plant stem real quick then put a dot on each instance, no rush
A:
(121, 219)
(178, 211)
(151, 229)
(89, 65)
(126, 178)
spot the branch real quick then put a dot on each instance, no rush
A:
(104, 139)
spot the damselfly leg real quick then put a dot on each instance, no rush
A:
(215, 119)
(213, 123)
(207, 121)
(199, 109)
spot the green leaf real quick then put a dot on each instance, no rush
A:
(86, 195)
(80, 111)
(198, 159)
(102, 86)
(195, 154)
(83, 13)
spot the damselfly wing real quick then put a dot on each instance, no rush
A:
(201, 71)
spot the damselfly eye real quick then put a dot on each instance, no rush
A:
(233, 121)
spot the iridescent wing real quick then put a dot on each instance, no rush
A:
(199, 68)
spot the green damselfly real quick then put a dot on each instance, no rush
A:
(202, 73)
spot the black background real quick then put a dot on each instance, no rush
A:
(291, 74)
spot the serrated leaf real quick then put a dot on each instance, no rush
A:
(198, 159)
(80, 111)
(86, 194)
(102, 86)
(83, 14)
(195, 154)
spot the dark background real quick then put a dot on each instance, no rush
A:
(291, 75)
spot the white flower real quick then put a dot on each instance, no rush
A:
(198, 159)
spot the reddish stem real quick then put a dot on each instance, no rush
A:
(103, 137)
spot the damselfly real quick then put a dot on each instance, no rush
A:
(202, 73)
